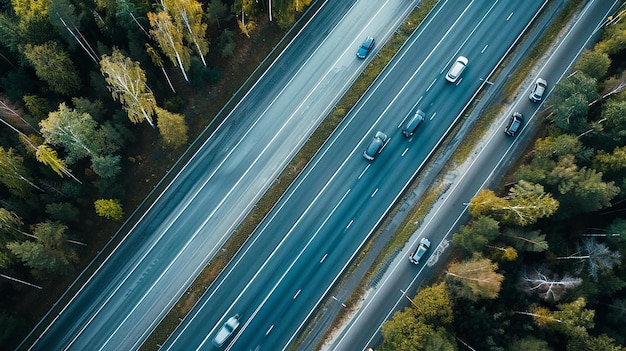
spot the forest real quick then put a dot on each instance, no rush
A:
(90, 92)
(540, 264)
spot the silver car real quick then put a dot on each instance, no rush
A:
(457, 68)
(379, 141)
(226, 331)
(538, 89)
(417, 255)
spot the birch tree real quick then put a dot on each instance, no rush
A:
(12, 118)
(170, 38)
(572, 319)
(188, 15)
(49, 157)
(596, 257)
(546, 285)
(524, 205)
(477, 274)
(532, 241)
(127, 83)
(10, 224)
(13, 174)
(156, 59)
(74, 131)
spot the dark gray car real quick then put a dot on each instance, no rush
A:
(411, 125)
(514, 125)
(376, 145)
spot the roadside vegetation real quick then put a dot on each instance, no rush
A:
(542, 258)
(97, 101)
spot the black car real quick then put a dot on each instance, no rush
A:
(515, 123)
(376, 145)
(412, 124)
(365, 48)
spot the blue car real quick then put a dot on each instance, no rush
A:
(365, 48)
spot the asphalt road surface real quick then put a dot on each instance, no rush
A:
(402, 278)
(304, 245)
(162, 254)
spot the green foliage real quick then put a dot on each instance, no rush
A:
(107, 166)
(172, 127)
(63, 212)
(72, 130)
(49, 253)
(613, 38)
(474, 237)
(593, 63)
(613, 162)
(404, 333)
(174, 104)
(201, 75)
(529, 343)
(597, 343)
(10, 229)
(571, 319)
(109, 208)
(614, 114)
(571, 98)
(227, 43)
(532, 241)
(54, 66)
(13, 174)
(38, 106)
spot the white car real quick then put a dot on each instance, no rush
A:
(226, 331)
(538, 89)
(457, 68)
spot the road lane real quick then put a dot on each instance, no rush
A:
(491, 162)
(333, 208)
(148, 272)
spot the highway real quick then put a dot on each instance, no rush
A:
(303, 246)
(497, 152)
(137, 284)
